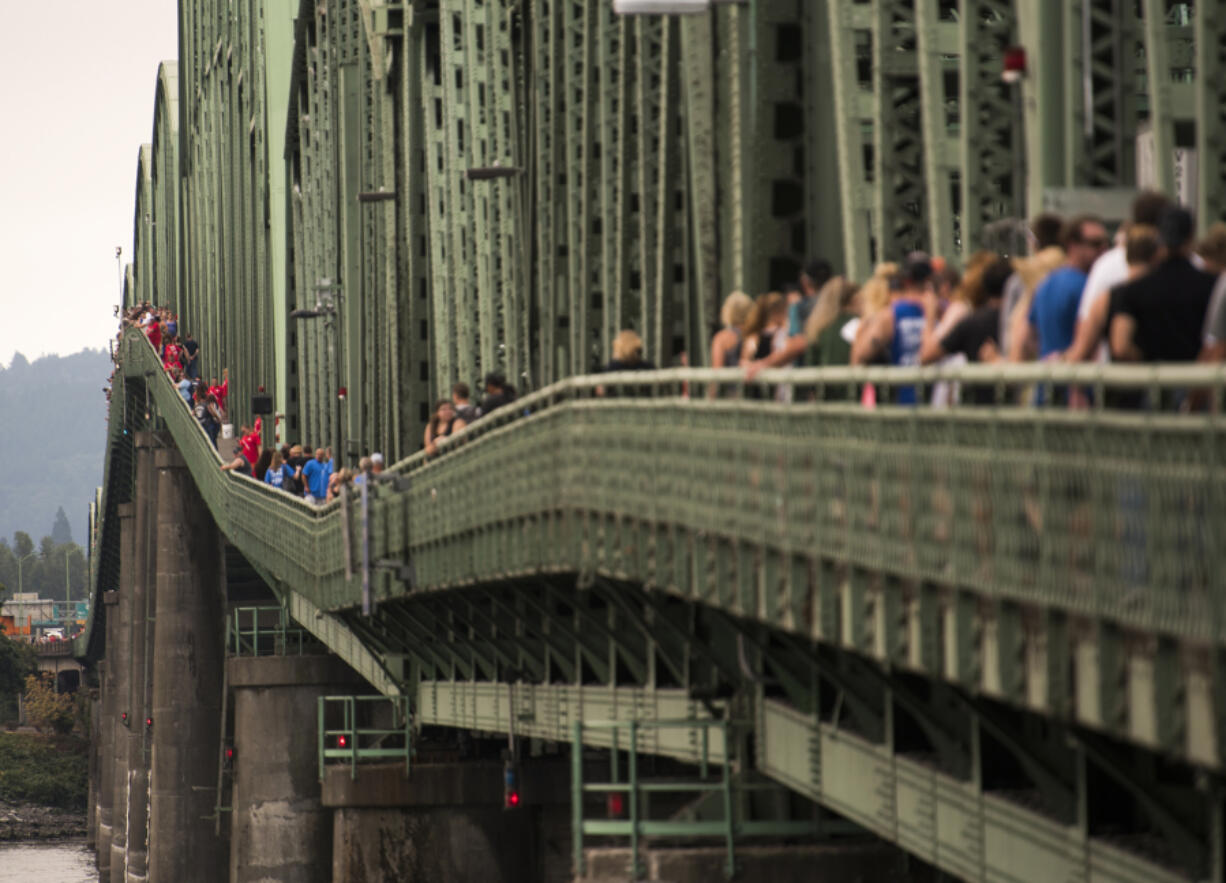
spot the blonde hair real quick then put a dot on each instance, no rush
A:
(835, 295)
(627, 346)
(277, 460)
(875, 293)
(764, 306)
(1213, 247)
(970, 289)
(735, 311)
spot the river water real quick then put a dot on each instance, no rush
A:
(37, 862)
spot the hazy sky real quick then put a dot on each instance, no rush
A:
(76, 99)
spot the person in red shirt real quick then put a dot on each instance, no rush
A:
(154, 333)
(220, 392)
(249, 443)
(172, 355)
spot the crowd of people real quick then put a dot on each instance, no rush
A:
(297, 469)
(1154, 293)
(453, 414)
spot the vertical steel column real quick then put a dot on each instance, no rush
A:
(1211, 109)
(351, 331)
(659, 317)
(1101, 46)
(1043, 108)
(1158, 86)
(990, 123)
(846, 20)
(616, 76)
(898, 166)
(582, 106)
(936, 40)
(548, 135)
(414, 365)
(698, 68)
(823, 196)
(650, 85)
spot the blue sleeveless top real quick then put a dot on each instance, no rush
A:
(905, 347)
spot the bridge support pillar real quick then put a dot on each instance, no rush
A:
(279, 829)
(106, 747)
(91, 802)
(143, 546)
(119, 658)
(187, 682)
(446, 822)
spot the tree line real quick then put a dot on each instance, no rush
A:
(56, 568)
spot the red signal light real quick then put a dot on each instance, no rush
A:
(615, 805)
(342, 742)
(512, 799)
(148, 721)
(229, 752)
(1014, 64)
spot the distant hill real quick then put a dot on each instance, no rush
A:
(53, 441)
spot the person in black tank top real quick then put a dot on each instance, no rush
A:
(442, 424)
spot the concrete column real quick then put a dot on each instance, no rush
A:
(279, 829)
(483, 844)
(139, 744)
(119, 657)
(91, 802)
(106, 741)
(445, 822)
(187, 659)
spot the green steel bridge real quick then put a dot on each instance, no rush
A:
(991, 635)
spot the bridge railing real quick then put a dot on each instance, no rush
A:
(628, 794)
(1109, 511)
(364, 729)
(821, 515)
(266, 631)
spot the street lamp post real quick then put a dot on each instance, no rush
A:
(327, 308)
(20, 583)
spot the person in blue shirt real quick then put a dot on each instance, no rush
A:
(897, 331)
(315, 473)
(1053, 312)
(275, 474)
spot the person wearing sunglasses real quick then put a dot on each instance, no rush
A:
(1053, 312)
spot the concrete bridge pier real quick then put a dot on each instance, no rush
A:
(188, 644)
(91, 801)
(119, 660)
(279, 829)
(140, 680)
(445, 822)
(106, 746)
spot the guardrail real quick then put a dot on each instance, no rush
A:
(688, 480)
(349, 731)
(266, 631)
(629, 796)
